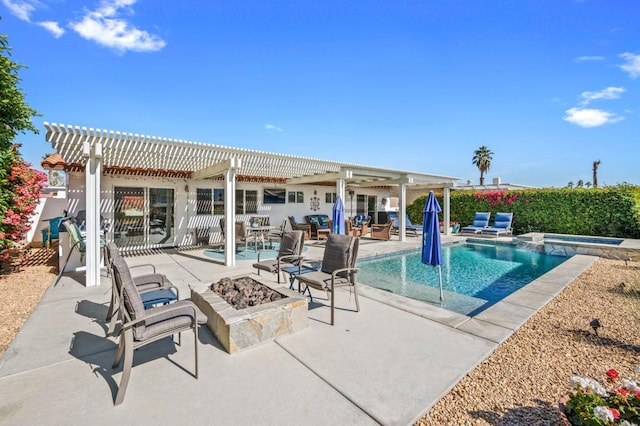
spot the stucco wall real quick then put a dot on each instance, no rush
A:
(185, 201)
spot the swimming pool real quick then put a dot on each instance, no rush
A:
(583, 239)
(474, 276)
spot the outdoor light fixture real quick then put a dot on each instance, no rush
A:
(595, 324)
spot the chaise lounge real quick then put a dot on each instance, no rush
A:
(501, 225)
(480, 222)
(408, 226)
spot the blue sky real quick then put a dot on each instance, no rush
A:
(548, 85)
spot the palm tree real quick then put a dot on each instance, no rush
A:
(595, 173)
(579, 184)
(482, 160)
(587, 184)
(570, 184)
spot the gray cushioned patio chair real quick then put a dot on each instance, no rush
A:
(145, 326)
(289, 254)
(338, 268)
(144, 283)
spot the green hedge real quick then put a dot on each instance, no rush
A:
(612, 211)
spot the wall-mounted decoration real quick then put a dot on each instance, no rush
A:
(314, 203)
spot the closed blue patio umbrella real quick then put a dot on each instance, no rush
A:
(431, 244)
(337, 218)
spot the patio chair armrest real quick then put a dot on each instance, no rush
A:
(153, 267)
(151, 316)
(353, 271)
(294, 257)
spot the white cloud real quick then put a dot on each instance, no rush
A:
(608, 93)
(52, 27)
(270, 127)
(633, 64)
(588, 117)
(105, 27)
(589, 58)
(21, 9)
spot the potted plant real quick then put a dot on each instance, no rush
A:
(453, 227)
(590, 403)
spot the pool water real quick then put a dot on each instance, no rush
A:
(583, 239)
(474, 276)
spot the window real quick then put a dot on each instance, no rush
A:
(218, 201)
(246, 201)
(251, 201)
(330, 197)
(274, 196)
(296, 197)
(203, 201)
(361, 204)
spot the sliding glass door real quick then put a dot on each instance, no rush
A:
(143, 217)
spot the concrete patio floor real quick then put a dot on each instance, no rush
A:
(387, 364)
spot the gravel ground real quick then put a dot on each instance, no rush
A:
(519, 384)
(22, 284)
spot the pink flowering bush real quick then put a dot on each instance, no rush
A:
(592, 404)
(22, 185)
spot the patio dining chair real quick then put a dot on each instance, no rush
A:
(337, 270)
(145, 283)
(242, 236)
(52, 232)
(289, 254)
(143, 326)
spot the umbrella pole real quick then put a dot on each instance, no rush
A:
(440, 277)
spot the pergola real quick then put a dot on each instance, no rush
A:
(99, 151)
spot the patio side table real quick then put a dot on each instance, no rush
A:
(156, 297)
(305, 268)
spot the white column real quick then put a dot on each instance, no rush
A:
(402, 214)
(230, 213)
(446, 210)
(93, 170)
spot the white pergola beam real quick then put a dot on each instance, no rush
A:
(218, 169)
(399, 181)
(346, 174)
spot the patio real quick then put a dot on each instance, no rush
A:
(58, 369)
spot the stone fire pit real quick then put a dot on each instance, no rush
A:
(238, 329)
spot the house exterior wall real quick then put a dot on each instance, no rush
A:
(185, 192)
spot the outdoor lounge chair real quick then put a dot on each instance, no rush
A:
(381, 231)
(145, 283)
(141, 326)
(480, 222)
(300, 227)
(351, 229)
(408, 227)
(337, 270)
(362, 221)
(289, 254)
(501, 225)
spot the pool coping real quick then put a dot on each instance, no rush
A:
(500, 320)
